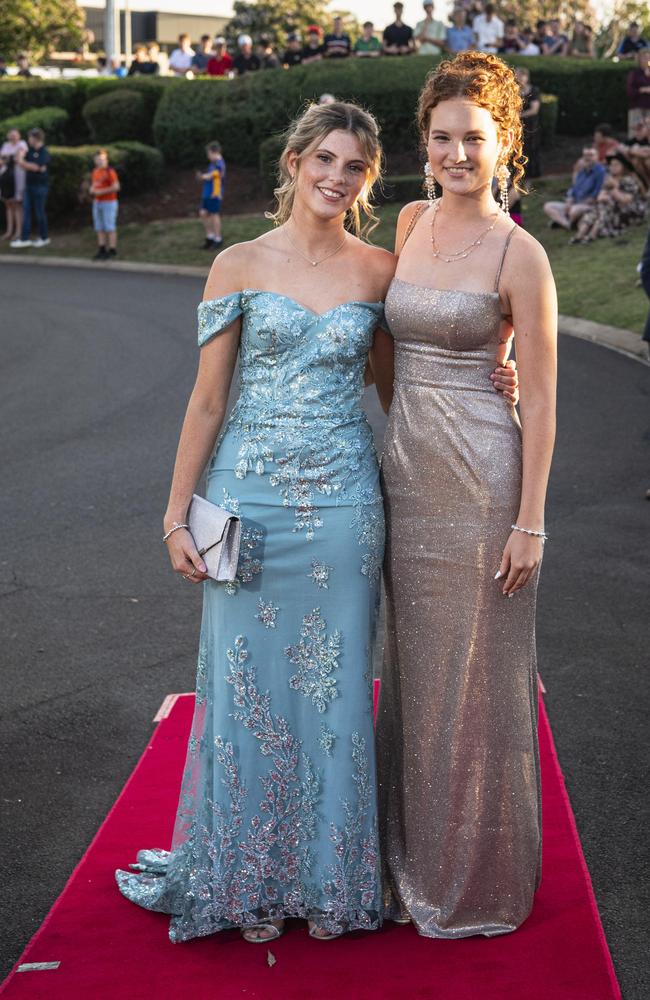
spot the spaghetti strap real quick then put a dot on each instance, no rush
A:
(503, 257)
(421, 209)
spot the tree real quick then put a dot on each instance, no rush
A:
(277, 18)
(39, 27)
(528, 12)
(620, 15)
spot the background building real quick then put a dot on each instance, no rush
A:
(161, 22)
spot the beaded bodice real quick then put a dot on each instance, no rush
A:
(298, 417)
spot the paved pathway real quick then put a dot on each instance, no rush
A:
(95, 371)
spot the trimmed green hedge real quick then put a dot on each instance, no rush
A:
(53, 121)
(139, 168)
(17, 96)
(186, 120)
(120, 114)
(143, 166)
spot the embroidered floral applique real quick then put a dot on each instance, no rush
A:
(355, 873)
(249, 564)
(316, 656)
(326, 739)
(267, 613)
(320, 573)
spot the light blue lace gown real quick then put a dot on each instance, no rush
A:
(277, 812)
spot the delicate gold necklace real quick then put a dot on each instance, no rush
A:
(458, 254)
(315, 263)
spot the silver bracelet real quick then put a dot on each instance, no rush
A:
(175, 527)
(529, 531)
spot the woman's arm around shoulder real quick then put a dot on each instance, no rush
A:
(380, 359)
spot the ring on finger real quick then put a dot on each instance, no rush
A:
(193, 573)
(186, 576)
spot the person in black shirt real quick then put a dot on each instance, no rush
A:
(267, 56)
(337, 45)
(313, 50)
(530, 111)
(245, 61)
(22, 63)
(632, 43)
(293, 52)
(202, 55)
(36, 164)
(398, 37)
(142, 63)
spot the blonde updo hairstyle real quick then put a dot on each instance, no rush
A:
(486, 81)
(306, 133)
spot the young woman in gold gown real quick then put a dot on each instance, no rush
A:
(464, 486)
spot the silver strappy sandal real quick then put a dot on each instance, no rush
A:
(274, 932)
(313, 933)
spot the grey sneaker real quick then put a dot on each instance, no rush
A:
(40, 243)
(19, 244)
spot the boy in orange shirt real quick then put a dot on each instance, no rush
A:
(104, 186)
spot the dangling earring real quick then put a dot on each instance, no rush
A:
(503, 176)
(430, 183)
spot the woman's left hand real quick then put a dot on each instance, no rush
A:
(506, 380)
(521, 557)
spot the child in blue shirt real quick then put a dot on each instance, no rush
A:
(212, 195)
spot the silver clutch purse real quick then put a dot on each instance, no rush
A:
(216, 533)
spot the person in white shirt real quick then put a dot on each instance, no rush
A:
(429, 34)
(529, 46)
(180, 61)
(488, 29)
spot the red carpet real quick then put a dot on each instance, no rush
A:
(109, 949)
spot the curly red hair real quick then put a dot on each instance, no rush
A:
(488, 82)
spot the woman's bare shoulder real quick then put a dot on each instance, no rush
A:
(230, 271)
(526, 257)
(378, 265)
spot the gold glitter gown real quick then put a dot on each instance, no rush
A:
(459, 790)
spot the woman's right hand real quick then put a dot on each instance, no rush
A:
(184, 556)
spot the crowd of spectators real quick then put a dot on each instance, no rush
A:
(472, 24)
(610, 187)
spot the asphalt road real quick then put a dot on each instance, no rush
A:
(94, 374)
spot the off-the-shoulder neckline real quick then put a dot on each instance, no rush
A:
(289, 298)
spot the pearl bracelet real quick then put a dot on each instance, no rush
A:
(529, 531)
(175, 527)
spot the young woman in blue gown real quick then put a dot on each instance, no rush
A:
(277, 815)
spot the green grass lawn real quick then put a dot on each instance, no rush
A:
(596, 282)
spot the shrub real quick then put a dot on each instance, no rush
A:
(150, 89)
(18, 95)
(269, 155)
(142, 168)
(548, 118)
(117, 115)
(53, 121)
(139, 168)
(186, 119)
